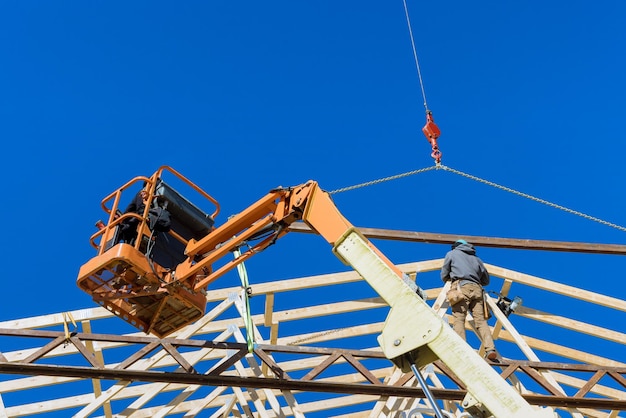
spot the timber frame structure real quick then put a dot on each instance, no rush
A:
(300, 365)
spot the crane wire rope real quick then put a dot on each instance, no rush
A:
(480, 180)
(430, 130)
(417, 64)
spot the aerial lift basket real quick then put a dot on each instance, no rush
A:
(133, 280)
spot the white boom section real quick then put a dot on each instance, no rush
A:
(414, 327)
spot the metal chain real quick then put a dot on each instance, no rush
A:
(487, 182)
(536, 199)
(370, 183)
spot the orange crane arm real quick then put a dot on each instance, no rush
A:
(161, 299)
(268, 218)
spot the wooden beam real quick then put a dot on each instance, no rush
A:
(558, 288)
(515, 243)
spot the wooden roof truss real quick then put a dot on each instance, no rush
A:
(297, 369)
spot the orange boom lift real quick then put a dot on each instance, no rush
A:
(158, 282)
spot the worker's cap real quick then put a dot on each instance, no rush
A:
(458, 242)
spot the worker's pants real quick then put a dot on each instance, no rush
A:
(473, 303)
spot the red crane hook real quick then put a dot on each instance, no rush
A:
(432, 132)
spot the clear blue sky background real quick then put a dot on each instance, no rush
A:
(242, 97)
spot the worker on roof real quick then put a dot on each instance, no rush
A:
(466, 271)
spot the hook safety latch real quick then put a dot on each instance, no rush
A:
(432, 132)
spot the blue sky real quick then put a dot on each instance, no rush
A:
(244, 97)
